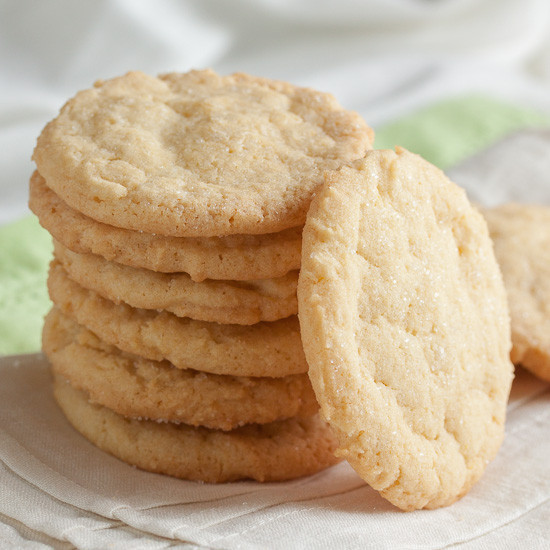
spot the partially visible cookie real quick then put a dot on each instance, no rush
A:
(137, 387)
(263, 349)
(277, 451)
(228, 302)
(197, 154)
(235, 257)
(405, 327)
(521, 237)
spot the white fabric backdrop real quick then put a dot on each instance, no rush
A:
(379, 57)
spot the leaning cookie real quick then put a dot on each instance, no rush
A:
(137, 387)
(235, 257)
(521, 237)
(276, 451)
(405, 327)
(263, 349)
(229, 302)
(197, 154)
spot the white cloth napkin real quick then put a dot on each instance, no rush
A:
(56, 489)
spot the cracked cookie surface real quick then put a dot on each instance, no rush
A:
(405, 327)
(197, 154)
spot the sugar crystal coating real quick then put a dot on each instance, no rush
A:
(197, 154)
(405, 326)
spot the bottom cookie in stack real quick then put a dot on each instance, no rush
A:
(184, 422)
(275, 451)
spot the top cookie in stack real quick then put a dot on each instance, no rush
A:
(197, 155)
(176, 205)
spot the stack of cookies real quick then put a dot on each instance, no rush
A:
(176, 205)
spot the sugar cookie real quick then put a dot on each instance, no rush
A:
(197, 154)
(405, 328)
(277, 451)
(228, 302)
(235, 257)
(137, 387)
(521, 237)
(263, 349)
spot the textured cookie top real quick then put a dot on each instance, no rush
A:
(197, 154)
(405, 327)
(521, 236)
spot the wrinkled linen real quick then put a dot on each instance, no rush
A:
(62, 489)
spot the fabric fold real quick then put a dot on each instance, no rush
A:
(90, 499)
